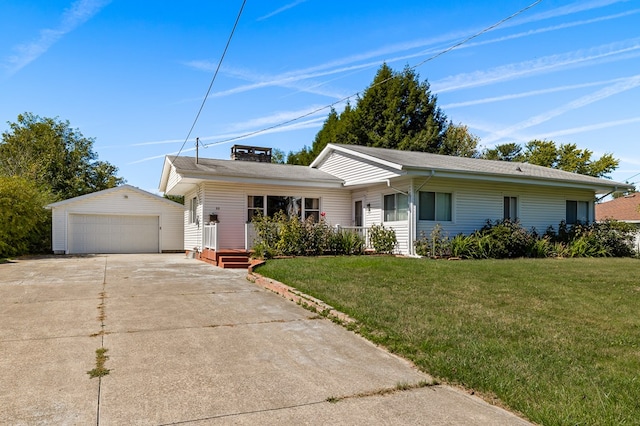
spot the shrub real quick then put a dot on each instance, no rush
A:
(25, 226)
(608, 238)
(347, 242)
(507, 239)
(289, 236)
(436, 245)
(382, 239)
(541, 247)
(462, 246)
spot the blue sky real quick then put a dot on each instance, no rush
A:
(133, 74)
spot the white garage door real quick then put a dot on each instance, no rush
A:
(113, 234)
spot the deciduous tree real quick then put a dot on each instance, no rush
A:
(25, 225)
(567, 157)
(55, 156)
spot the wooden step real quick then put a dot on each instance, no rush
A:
(234, 265)
(234, 260)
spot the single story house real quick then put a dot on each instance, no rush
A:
(123, 219)
(624, 209)
(357, 186)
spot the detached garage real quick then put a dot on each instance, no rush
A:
(124, 219)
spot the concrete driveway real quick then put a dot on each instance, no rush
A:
(189, 343)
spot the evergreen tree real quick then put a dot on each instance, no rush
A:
(396, 111)
(567, 157)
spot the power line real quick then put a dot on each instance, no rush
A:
(215, 74)
(442, 52)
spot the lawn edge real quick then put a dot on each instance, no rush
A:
(316, 305)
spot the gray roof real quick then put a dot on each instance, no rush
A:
(212, 168)
(114, 189)
(411, 160)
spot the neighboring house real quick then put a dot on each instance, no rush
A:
(358, 186)
(123, 219)
(625, 209)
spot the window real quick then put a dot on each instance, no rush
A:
(292, 206)
(312, 208)
(577, 212)
(396, 207)
(510, 208)
(255, 206)
(193, 210)
(435, 206)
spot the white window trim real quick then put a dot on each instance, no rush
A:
(382, 209)
(518, 209)
(264, 196)
(193, 210)
(453, 206)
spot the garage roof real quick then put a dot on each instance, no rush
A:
(110, 190)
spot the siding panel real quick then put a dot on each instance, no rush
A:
(355, 170)
(476, 202)
(229, 202)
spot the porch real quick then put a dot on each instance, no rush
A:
(240, 258)
(212, 253)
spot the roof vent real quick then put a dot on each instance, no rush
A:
(251, 153)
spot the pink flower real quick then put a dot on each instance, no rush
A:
(323, 214)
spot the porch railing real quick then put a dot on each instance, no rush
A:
(210, 236)
(250, 236)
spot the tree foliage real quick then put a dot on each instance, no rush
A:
(24, 223)
(43, 160)
(55, 156)
(567, 157)
(396, 111)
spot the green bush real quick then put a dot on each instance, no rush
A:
(506, 239)
(609, 238)
(284, 236)
(382, 239)
(281, 235)
(436, 245)
(347, 242)
(25, 226)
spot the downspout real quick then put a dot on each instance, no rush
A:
(412, 219)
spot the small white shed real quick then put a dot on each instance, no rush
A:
(124, 219)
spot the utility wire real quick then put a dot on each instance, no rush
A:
(215, 74)
(431, 58)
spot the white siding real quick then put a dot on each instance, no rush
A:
(355, 170)
(59, 230)
(173, 179)
(120, 201)
(229, 202)
(192, 231)
(373, 211)
(476, 202)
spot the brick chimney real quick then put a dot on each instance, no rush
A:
(251, 153)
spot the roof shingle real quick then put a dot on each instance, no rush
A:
(622, 208)
(427, 161)
(250, 169)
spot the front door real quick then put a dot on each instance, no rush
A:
(357, 213)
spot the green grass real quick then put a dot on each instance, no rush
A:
(557, 340)
(101, 359)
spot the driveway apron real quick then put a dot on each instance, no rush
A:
(189, 343)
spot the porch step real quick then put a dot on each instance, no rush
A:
(233, 260)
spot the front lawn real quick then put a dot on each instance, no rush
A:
(557, 340)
